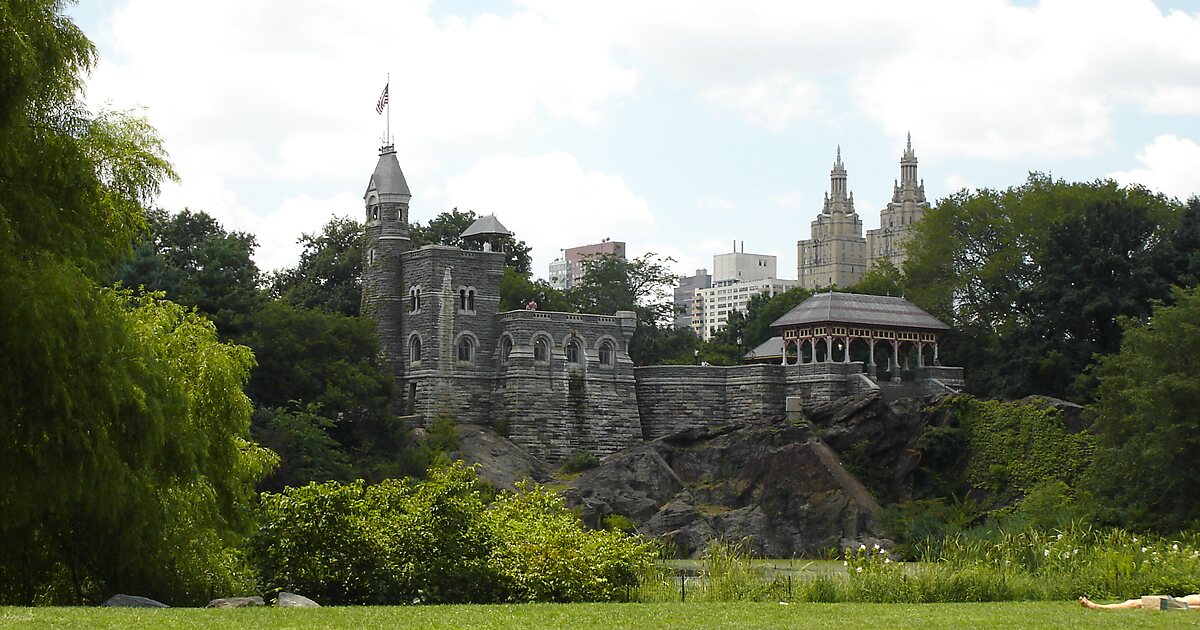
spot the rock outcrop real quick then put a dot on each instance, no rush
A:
(775, 485)
(498, 461)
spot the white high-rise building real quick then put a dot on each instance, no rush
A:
(737, 277)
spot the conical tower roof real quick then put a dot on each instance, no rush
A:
(388, 179)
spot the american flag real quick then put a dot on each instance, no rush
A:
(383, 100)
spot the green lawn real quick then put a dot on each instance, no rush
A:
(515, 617)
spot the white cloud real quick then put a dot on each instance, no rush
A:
(551, 202)
(1169, 165)
(985, 79)
(715, 202)
(266, 99)
(772, 102)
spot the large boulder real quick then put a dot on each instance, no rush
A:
(236, 602)
(132, 601)
(775, 485)
(498, 461)
(634, 483)
(292, 600)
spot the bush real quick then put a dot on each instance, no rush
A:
(437, 541)
(580, 461)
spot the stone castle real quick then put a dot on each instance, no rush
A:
(563, 383)
(837, 254)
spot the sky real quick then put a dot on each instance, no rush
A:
(678, 127)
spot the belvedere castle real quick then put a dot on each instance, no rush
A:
(562, 383)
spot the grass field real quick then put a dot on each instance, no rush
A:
(1010, 616)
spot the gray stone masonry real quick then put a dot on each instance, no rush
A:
(555, 406)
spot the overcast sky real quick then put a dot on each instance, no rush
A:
(676, 127)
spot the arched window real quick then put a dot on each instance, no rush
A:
(471, 299)
(573, 351)
(606, 353)
(414, 349)
(414, 295)
(466, 349)
(462, 299)
(506, 346)
(375, 212)
(541, 349)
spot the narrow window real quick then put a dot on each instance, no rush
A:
(462, 299)
(465, 349)
(541, 350)
(506, 346)
(414, 350)
(573, 351)
(471, 300)
(606, 353)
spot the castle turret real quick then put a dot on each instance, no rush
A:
(386, 202)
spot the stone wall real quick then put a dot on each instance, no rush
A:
(671, 398)
(555, 407)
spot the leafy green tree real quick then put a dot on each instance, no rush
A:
(306, 450)
(447, 228)
(196, 262)
(883, 278)
(754, 326)
(1145, 463)
(997, 266)
(316, 357)
(123, 458)
(642, 285)
(517, 288)
(1184, 245)
(329, 275)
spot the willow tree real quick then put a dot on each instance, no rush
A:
(124, 463)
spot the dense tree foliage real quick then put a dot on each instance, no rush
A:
(438, 541)
(447, 228)
(517, 288)
(1032, 279)
(329, 275)
(124, 463)
(642, 285)
(1146, 464)
(196, 262)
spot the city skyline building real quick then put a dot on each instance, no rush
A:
(737, 277)
(567, 271)
(837, 254)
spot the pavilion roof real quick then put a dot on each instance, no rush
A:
(487, 225)
(858, 309)
(771, 348)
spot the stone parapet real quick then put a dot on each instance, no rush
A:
(672, 398)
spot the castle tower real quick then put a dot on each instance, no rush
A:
(908, 206)
(386, 203)
(836, 253)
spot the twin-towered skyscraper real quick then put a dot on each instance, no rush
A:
(837, 253)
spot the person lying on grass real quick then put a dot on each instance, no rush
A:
(1193, 602)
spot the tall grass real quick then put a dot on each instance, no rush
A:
(974, 567)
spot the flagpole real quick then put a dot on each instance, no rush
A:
(388, 86)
